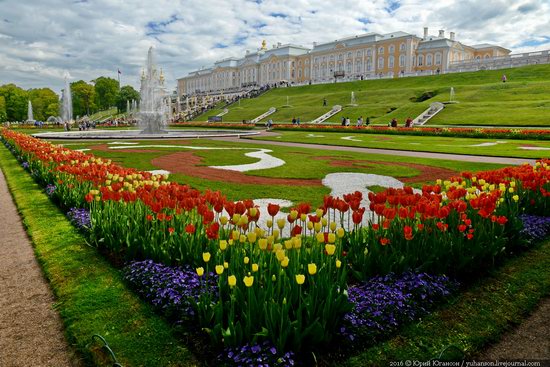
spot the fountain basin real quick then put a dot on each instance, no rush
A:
(142, 135)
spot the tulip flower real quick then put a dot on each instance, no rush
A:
(255, 268)
(285, 262)
(200, 271)
(232, 280)
(246, 259)
(219, 269)
(248, 281)
(206, 256)
(223, 245)
(273, 209)
(338, 263)
(312, 269)
(300, 279)
(330, 249)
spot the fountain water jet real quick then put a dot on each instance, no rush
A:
(30, 117)
(153, 114)
(67, 103)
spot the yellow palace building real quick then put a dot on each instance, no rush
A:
(366, 56)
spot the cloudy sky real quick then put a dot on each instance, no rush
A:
(41, 41)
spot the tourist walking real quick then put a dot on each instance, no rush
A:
(360, 121)
(408, 122)
(269, 124)
(367, 121)
(324, 102)
(294, 121)
(393, 122)
(298, 121)
(504, 79)
(343, 121)
(347, 121)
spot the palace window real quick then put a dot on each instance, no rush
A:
(369, 65)
(402, 47)
(348, 69)
(401, 60)
(391, 61)
(392, 49)
(369, 52)
(341, 57)
(358, 66)
(429, 59)
(380, 62)
(331, 58)
(381, 50)
(359, 53)
(420, 60)
(349, 55)
(438, 58)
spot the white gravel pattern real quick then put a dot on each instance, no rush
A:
(350, 138)
(534, 148)
(266, 161)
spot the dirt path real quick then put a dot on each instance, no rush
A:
(530, 340)
(31, 332)
(401, 153)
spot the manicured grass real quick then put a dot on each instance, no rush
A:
(483, 100)
(505, 147)
(300, 163)
(475, 318)
(91, 296)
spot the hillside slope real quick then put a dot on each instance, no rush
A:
(483, 99)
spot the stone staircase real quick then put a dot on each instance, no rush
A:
(224, 112)
(271, 111)
(327, 115)
(425, 116)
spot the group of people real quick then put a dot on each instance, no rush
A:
(295, 121)
(347, 122)
(408, 122)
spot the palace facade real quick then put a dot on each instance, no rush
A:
(366, 56)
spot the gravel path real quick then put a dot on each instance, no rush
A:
(31, 332)
(530, 340)
(401, 153)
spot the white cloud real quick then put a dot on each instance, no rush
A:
(41, 40)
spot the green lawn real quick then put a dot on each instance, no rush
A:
(483, 100)
(504, 147)
(300, 163)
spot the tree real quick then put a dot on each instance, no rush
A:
(106, 90)
(126, 93)
(83, 95)
(45, 103)
(3, 115)
(16, 100)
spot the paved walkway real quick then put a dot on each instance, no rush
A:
(401, 153)
(530, 340)
(31, 332)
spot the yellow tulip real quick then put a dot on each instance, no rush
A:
(312, 269)
(515, 198)
(226, 264)
(340, 232)
(232, 280)
(219, 269)
(262, 243)
(293, 214)
(235, 235)
(317, 227)
(319, 212)
(206, 256)
(330, 249)
(331, 238)
(236, 217)
(300, 279)
(255, 268)
(474, 179)
(251, 237)
(438, 181)
(297, 242)
(281, 223)
(288, 244)
(223, 220)
(276, 234)
(285, 262)
(242, 238)
(253, 211)
(277, 247)
(324, 221)
(243, 221)
(223, 245)
(280, 254)
(269, 223)
(512, 183)
(246, 259)
(273, 278)
(510, 190)
(200, 271)
(320, 237)
(310, 225)
(270, 240)
(303, 217)
(332, 226)
(248, 281)
(338, 263)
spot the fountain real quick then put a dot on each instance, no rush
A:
(67, 103)
(352, 101)
(154, 113)
(30, 117)
(452, 95)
